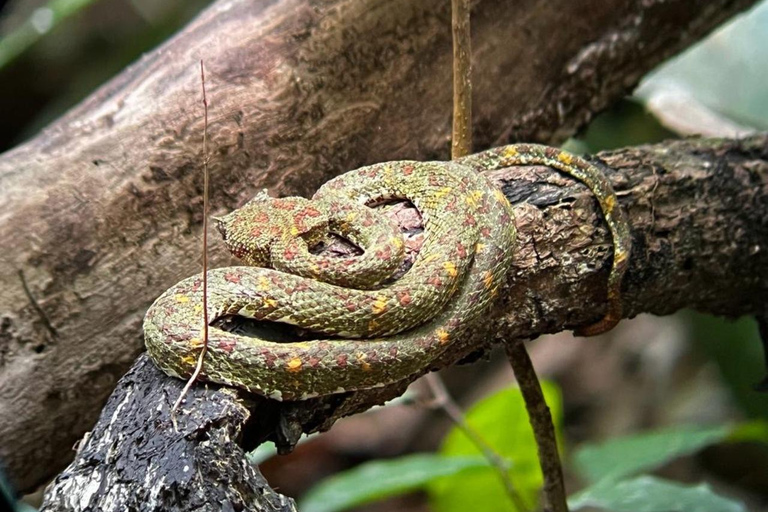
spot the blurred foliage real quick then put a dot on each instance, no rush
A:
(85, 43)
(501, 420)
(735, 348)
(43, 20)
(459, 478)
(651, 494)
(629, 455)
(610, 468)
(727, 72)
(376, 480)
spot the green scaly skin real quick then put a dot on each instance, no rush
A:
(388, 333)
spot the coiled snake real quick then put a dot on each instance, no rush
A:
(375, 334)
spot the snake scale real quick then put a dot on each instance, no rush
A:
(371, 330)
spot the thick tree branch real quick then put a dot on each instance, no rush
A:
(699, 213)
(100, 212)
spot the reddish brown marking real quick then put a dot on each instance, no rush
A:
(227, 345)
(290, 252)
(269, 358)
(461, 250)
(435, 281)
(404, 297)
(314, 362)
(486, 232)
(351, 306)
(341, 360)
(384, 254)
(232, 277)
(469, 220)
(311, 211)
(408, 170)
(284, 204)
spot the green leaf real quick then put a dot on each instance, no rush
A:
(625, 456)
(381, 479)
(756, 431)
(502, 421)
(735, 348)
(650, 494)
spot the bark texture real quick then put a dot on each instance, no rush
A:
(101, 211)
(699, 215)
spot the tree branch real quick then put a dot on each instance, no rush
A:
(100, 210)
(699, 216)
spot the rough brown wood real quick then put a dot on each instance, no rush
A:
(699, 213)
(101, 211)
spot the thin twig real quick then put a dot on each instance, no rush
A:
(462, 74)
(543, 428)
(461, 145)
(442, 400)
(201, 357)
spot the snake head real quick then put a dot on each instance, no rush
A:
(253, 231)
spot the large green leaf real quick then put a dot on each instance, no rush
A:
(626, 456)
(502, 421)
(380, 479)
(650, 494)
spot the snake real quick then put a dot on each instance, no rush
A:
(369, 328)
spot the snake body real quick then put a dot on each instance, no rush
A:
(371, 332)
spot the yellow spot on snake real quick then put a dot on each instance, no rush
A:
(195, 343)
(479, 247)
(510, 151)
(488, 278)
(443, 191)
(429, 258)
(565, 158)
(294, 230)
(181, 298)
(198, 309)
(294, 365)
(473, 198)
(500, 197)
(442, 336)
(397, 241)
(269, 302)
(380, 305)
(351, 216)
(610, 203)
(365, 365)
(263, 283)
(189, 361)
(450, 268)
